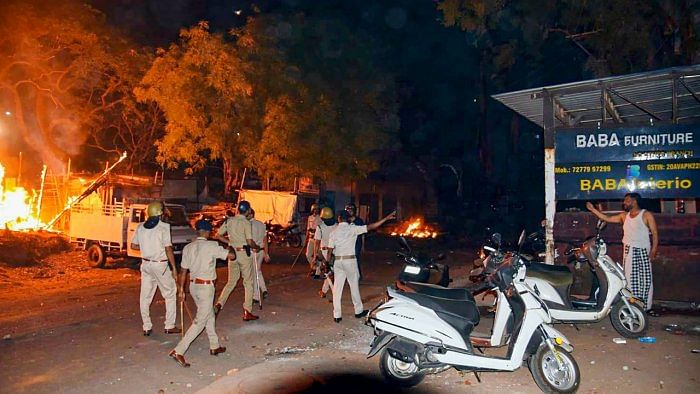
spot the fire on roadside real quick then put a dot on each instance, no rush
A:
(17, 207)
(415, 228)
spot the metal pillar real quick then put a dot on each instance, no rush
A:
(549, 182)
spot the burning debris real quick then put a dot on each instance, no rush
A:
(18, 209)
(415, 228)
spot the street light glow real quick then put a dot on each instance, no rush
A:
(8, 113)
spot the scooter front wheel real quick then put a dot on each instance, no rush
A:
(552, 375)
(630, 321)
(398, 372)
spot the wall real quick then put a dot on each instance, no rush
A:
(677, 267)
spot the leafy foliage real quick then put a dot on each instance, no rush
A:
(67, 78)
(271, 101)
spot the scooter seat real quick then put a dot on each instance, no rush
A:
(557, 275)
(439, 291)
(462, 314)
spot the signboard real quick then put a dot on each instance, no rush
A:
(657, 162)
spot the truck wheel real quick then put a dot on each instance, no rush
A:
(96, 256)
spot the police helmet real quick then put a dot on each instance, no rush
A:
(243, 207)
(155, 209)
(203, 225)
(326, 213)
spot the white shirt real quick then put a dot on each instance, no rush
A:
(199, 256)
(259, 231)
(323, 233)
(152, 242)
(343, 239)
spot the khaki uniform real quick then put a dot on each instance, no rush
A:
(199, 257)
(343, 240)
(156, 272)
(259, 234)
(239, 230)
(323, 233)
(311, 225)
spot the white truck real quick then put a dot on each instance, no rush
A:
(106, 230)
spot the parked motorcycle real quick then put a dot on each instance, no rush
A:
(289, 235)
(609, 294)
(421, 268)
(423, 328)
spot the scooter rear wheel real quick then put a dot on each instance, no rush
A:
(550, 378)
(630, 322)
(397, 372)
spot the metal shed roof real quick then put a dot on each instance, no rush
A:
(631, 98)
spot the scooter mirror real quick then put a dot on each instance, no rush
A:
(404, 244)
(496, 239)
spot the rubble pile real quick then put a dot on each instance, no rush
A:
(22, 249)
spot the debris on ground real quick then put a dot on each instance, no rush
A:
(619, 340)
(25, 249)
(287, 350)
(7, 337)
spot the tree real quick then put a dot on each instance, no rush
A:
(272, 102)
(200, 85)
(62, 75)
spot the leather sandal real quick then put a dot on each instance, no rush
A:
(217, 351)
(179, 358)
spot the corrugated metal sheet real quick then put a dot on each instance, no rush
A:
(581, 101)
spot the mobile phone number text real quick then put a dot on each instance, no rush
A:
(582, 169)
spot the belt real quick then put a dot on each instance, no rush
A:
(202, 281)
(325, 248)
(154, 261)
(350, 257)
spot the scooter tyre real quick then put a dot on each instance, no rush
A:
(620, 327)
(542, 358)
(389, 368)
(294, 241)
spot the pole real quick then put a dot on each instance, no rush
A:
(41, 193)
(19, 171)
(182, 317)
(256, 255)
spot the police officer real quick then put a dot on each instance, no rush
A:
(260, 238)
(323, 232)
(240, 239)
(311, 224)
(341, 244)
(199, 258)
(351, 209)
(158, 270)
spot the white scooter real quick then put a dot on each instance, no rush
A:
(422, 328)
(612, 297)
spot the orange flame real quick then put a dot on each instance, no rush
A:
(415, 228)
(17, 207)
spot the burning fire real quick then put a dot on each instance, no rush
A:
(17, 207)
(415, 228)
